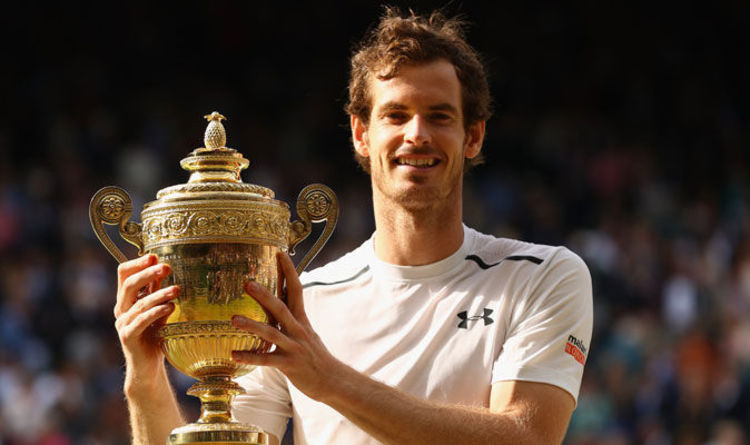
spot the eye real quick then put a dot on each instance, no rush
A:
(396, 117)
(441, 118)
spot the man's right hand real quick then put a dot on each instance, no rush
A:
(141, 307)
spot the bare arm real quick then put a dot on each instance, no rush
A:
(520, 412)
(535, 413)
(153, 408)
(155, 413)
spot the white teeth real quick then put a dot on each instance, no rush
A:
(416, 162)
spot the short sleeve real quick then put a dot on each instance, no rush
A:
(266, 402)
(549, 332)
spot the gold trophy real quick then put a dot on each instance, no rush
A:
(216, 232)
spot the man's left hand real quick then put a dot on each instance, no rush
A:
(299, 353)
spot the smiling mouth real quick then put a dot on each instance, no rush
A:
(420, 162)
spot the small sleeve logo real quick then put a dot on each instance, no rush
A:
(576, 348)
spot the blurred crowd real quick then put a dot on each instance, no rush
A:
(620, 133)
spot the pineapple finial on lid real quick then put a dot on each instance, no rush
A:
(214, 162)
(216, 135)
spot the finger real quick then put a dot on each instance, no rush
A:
(138, 326)
(160, 297)
(259, 358)
(275, 307)
(156, 284)
(140, 280)
(293, 287)
(128, 268)
(262, 330)
(128, 292)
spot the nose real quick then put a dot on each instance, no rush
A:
(417, 131)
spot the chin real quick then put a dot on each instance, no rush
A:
(417, 194)
(419, 198)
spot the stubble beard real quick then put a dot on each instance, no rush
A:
(420, 198)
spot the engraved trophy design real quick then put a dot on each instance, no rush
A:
(216, 232)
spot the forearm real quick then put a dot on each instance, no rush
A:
(394, 417)
(154, 411)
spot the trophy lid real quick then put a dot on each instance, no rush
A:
(213, 168)
(214, 207)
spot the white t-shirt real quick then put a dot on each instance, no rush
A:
(495, 310)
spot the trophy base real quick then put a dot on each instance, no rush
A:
(218, 434)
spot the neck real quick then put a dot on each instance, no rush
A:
(414, 237)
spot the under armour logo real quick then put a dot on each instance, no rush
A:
(464, 316)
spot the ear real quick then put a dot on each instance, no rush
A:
(474, 139)
(359, 136)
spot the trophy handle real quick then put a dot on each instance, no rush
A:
(315, 203)
(112, 205)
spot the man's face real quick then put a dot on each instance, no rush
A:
(416, 141)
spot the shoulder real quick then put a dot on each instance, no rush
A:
(527, 264)
(490, 249)
(346, 267)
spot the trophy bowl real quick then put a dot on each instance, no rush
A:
(216, 233)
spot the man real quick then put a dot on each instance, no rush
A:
(429, 332)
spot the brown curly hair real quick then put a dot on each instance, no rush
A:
(402, 40)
